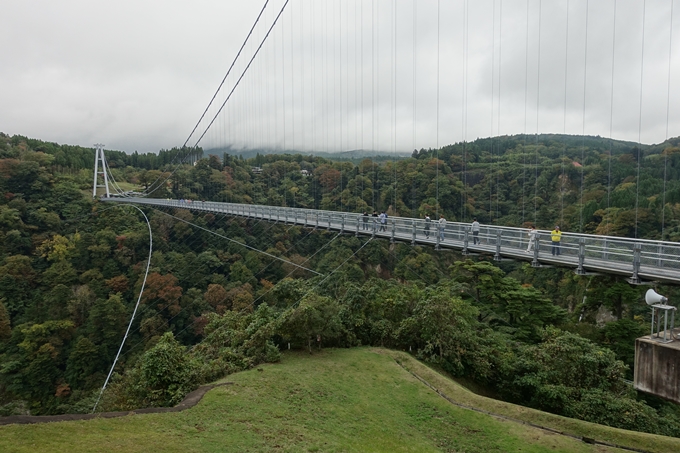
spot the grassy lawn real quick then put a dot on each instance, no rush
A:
(332, 401)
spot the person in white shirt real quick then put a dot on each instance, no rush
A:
(442, 226)
(475, 231)
(532, 238)
(383, 221)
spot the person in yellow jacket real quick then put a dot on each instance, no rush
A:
(556, 237)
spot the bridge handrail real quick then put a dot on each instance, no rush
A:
(623, 253)
(421, 222)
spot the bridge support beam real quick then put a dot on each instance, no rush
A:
(356, 235)
(497, 255)
(394, 229)
(537, 245)
(581, 256)
(466, 242)
(413, 233)
(635, 278)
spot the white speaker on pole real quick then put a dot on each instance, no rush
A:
(657, 302)
(652, 298)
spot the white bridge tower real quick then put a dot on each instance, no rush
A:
(99, 157)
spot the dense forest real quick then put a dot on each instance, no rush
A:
(71, 269)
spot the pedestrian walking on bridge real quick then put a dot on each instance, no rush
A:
(556, 237)
(532, 238)
(475, 231)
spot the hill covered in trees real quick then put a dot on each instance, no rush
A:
(71, 269)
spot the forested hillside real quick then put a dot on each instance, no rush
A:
(71, 269)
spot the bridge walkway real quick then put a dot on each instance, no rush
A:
(637, 259)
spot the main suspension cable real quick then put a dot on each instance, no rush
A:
(221, 83)
(230, 93)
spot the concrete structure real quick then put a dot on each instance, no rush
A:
(657, 367)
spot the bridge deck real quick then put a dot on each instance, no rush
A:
(634, 258)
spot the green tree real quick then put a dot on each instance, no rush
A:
(33, 366)
(315, 318)
(5, 325)
(557, 373)
(442, 328)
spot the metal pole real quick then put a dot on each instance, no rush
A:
(581, 256)
(535, 262)
(497, 255)
(413, 237)
(394, 228)
(466, 241)
(637, 250)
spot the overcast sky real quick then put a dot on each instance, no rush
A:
(338, 74)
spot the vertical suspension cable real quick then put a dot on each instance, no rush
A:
(438, 57)
(640, 153)
(465, 97)
(292, 82)
(526, 94)
(356, 79)
(312, 16)
(463, 196)
(583, 131)
(564, 117)
(362, 90)
(302, 79)
(413, 112)
(611, 126)
(498, 131)
(347, 76)
(283, 82)
(538, 96)
(373, 32)
(276, 99)
(668, 107)
(339, 97)
(327, 76)
(493, 66)
(394, 104)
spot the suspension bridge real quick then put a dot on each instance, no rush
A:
(354, 75)
(633, 258)
(333, 76)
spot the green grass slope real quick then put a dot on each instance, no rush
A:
(333, 401)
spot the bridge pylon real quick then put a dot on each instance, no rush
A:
(99, 158)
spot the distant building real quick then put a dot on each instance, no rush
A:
(576, 164)
(256, 170)
(304, 173)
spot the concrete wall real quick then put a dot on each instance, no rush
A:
(657, 368)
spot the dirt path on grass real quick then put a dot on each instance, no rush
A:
(190, 400)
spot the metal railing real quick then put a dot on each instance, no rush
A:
(636, 258)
